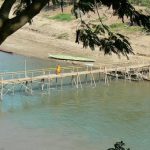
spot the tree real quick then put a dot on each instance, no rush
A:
(99, 35)
(119, 146)
(25, 11)
(92, 35)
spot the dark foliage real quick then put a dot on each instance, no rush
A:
(121, 7)
(119, 146)
(126, 9)
(100, 36)
(25, 4)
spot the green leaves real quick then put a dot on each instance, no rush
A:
(126, 9)
(119, 146)
(84, 5)
(100, 36)
(121, 7)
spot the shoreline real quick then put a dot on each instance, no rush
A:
(46, 59)
(38, 43)
(96, 65)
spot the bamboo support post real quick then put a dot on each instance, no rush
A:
(106, 77)
(149, 71)
(1, 88)
(31, 89)
(86, 79)
(42, 84)
(25, 68)
(79, 81)
(116, 73)
(75, 83)
(49, 84)
(105, 74)
(72, 79)
(93, 79)
(125, 74)
(61, 82)
(99, 74)
(56, 81)
(13, 91)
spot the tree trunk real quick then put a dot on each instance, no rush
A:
(9, 26)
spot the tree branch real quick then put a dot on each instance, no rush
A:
(12, 25)
(6, 7)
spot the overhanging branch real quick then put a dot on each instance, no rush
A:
(12, 25)
(6, 7)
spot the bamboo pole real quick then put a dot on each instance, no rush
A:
(1, 88)
(86, 78)
(25, 68)
(49, 84)
(116, 73)
(106, 77)
(93, 79)
(80, 81)
(31, 88)
(61, 82)
(99, 74)
(77, 83)
(13, 89)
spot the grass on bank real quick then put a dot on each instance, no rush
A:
(63, 17)
(116, 27)
(141, 2)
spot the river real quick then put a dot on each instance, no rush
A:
(71, 119)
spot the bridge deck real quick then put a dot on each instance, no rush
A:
(72, 72)
(26, 78)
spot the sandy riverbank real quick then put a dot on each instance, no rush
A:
(43, 37)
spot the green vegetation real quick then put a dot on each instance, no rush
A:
(141, 2)
(124, 27)
(119, 146)
(63, 17)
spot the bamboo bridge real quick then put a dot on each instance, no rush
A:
(46, 78)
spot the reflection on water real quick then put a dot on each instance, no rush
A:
(84, 119)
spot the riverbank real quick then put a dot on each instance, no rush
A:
(55, 37)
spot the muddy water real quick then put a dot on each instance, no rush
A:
(71, 119)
